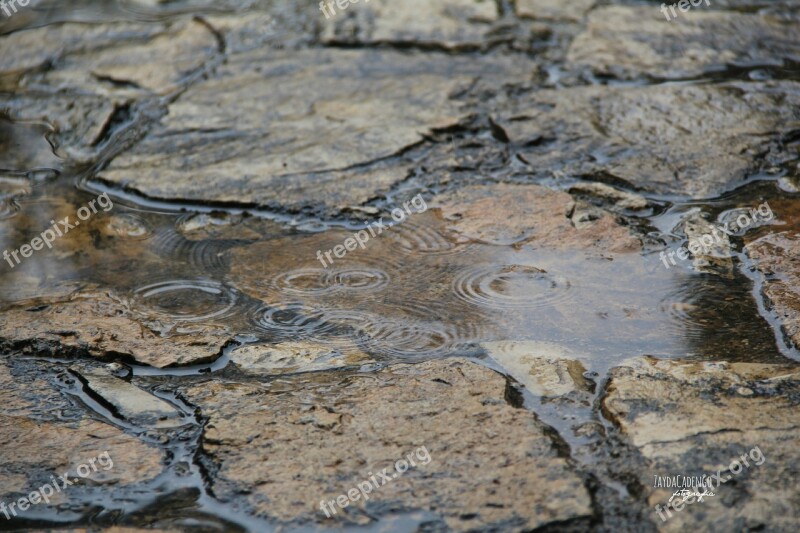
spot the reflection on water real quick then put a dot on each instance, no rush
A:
(414, 293)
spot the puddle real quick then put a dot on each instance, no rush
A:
(416, 293)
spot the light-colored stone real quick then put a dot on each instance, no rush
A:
(300, 128)
(130, 402)
(693, 140)
(695, 418)
(447, 23)
(37, 441)
(715, 258)
(638, 40)
(531, 214)
(103, 326)
(571, 10)
(619, 198)
(545, 368)
(296, 356)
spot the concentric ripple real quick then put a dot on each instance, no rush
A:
(683, 314)
(357, 279)
(510, 287)
(319, 281)
(416, 238)
(185, 300)
(205, 255)
(291, 320)
(408, 339)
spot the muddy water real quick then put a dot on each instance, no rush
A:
(415, 293)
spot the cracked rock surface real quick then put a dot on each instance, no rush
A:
(485, 455)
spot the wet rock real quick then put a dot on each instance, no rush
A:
(80, 122)
(775, 258)
(693, 418)
(289, 129)
(690, 140)
(532, 215)
(101, 58)
(637, 40)
(710, 247)
(41, 436)
(292, 357)
(570, 10)
(128, 401)
(317, 435)
(221, 225)
(103, 326)
(619, 199)
(546, 369)
(449, 23)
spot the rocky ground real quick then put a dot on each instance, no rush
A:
(525, 327)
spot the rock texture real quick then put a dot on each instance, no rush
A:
(267, 118)
(691, 418)
(294, 357)
(314, 438)
(532, 215)
(639, 41)
(42, 436)
(690, 140)
(101, 325)
(774, 258)
(449, 24)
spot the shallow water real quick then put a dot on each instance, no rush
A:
(413, 294)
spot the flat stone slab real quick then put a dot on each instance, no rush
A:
(630, 41)
(100, 58)
(296, 356)
(530, 214)
(41, 436)
(694, 419)
(314, 437)
(449, 24)
(102, 326)
(301, 128)
(774, 256)
(697, 141)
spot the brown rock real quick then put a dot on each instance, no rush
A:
(36, 443)
(448, 23)
(546, 369)
(298, 356)
(775, 256)
(638, 40)
(666, 139)
(316, 436)
(571, 10)
(103, 326)
(297, 127)
(530, 214)
(694, 419)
